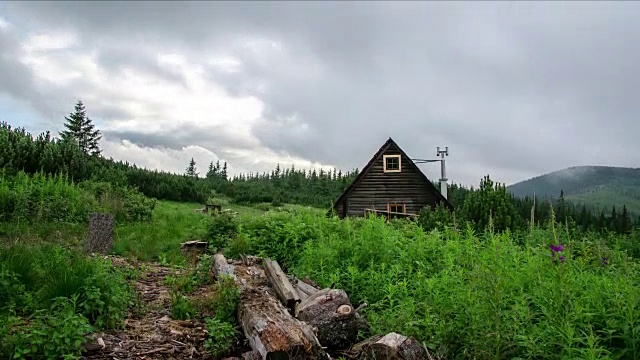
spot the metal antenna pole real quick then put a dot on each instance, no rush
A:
(443, 179)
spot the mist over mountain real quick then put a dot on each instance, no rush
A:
(595, 186)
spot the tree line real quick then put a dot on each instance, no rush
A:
(76, 154)
(491, 205)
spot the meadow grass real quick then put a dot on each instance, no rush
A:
(172, 223)
(467, 295)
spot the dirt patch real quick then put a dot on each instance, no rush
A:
(150, 332)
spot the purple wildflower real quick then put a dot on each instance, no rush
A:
(557, 249)
(604, 261)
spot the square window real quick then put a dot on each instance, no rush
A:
(396, 208)
(391, 163)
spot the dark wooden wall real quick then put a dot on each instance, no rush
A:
(378, 188)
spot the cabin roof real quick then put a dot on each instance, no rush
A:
(375, 158)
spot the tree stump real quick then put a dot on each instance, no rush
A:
(100, 238)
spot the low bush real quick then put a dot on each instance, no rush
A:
(40, 198)
(221, 336)
(221, 229)
(86, 294)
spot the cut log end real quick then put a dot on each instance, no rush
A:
(344, 310)
(331, 313)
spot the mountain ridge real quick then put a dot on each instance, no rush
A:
(596, 186)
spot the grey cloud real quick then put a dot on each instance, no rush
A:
(514, 89)
(16, 78)
(215, 139)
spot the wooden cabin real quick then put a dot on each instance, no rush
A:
(391, 184)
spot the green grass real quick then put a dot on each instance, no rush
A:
(465, 295)
(469, 295)
(172, 224)
(155, 240)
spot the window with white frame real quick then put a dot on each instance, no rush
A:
(392, 163)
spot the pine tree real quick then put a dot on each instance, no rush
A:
(191, 169)
(624, 221)
(81, 130)
(211, 173)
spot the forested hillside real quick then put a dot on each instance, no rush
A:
(597, 187)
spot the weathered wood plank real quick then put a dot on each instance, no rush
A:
(101, 230)
(304, 288)
(272, 331)
(287, 294)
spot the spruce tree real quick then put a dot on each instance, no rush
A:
(211, 173)
(191, 169)
(81, 130)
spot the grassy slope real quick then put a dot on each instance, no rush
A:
(172, 224)
(594, 186)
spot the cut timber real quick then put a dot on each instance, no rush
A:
(392, 346)
(305, 288)
(331, 313)
(222, 267)
(272, 331)
(287, 294)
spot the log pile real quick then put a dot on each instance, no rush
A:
(290, 319)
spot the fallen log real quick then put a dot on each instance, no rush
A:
(392, 346)
(330, 312)
(278, 279)
(273, 333)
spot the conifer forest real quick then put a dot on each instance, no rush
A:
(500, 277)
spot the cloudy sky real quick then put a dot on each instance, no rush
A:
(514, 89)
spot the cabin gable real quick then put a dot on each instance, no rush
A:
(389, 183)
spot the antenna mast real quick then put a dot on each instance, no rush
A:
(443, 179)
(443, 175)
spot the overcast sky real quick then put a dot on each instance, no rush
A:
(514, 89)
